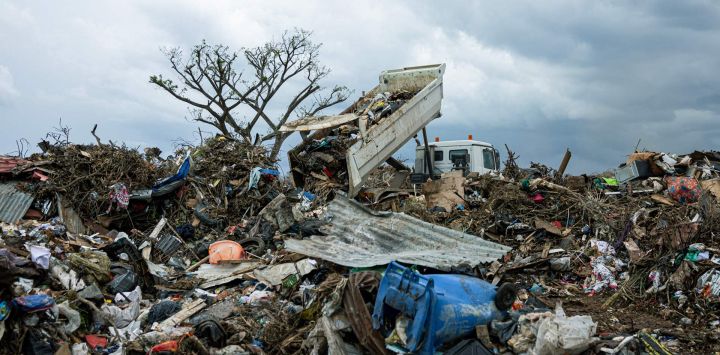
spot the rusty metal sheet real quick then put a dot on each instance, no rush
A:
(69, 217)
(13, 203)
(359, 237)
(8, 164)
(312, 123)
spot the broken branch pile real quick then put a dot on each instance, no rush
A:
(84, 175)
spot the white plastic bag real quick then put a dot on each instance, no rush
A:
(72, 315)
(132, 331)
(711, 278)
(69, 279)
(134, 296)
(564, 335)
(40, 255)
(122, 317)
(80, 349)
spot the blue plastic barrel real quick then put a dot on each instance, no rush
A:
(441, 307)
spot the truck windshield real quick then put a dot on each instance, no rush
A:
(488, 159)
(458, 157)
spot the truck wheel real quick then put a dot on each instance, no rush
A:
(505, 296)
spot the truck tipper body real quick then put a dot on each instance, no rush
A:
(376, 141)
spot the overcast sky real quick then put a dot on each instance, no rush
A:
(539, 76)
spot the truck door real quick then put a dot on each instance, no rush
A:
(441, 160)
(488, 155)
(437, 156)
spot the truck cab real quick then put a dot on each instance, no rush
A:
(468, 155)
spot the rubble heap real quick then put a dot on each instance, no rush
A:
(223, 166)
(599, 245)
(108, 250)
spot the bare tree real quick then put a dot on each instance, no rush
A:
(60, 135)
(215, 86)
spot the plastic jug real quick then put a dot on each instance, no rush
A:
(442, 307)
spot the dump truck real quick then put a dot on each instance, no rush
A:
(379, 127)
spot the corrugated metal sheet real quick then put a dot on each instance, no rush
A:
(13, 203)
(359, 237)
(7, 164)
(69, 217)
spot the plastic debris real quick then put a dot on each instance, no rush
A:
(40, 256)
(566, 335)
(683, 189)
(96, 342)
(119, 195)
(225, 250)
(72, 315)
(4, 310)
(197, 252)
(34, 303)
(445, 306)
(162, 311)
(708, 284)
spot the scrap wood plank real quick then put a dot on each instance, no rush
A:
(17, 251)
(158, 228)
(513, 268)
(662, 199)
(188, 311)
(79, 243)
(319, 176)
(523, 266)
(224, 280)
(547, 226)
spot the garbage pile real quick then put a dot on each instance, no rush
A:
(635, 248)
(224, 165)
(104, 249)
(94, 234)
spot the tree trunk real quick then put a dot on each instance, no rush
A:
(279, 139)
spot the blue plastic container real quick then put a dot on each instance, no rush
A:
(441, 307)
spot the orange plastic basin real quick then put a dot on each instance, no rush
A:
(225, 250)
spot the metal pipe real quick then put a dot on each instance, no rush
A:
(427, 153)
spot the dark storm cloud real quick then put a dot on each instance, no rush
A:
(592, 76)
(644, 70)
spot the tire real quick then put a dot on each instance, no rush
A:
(505, 296)
(253, 245)
(205, 219)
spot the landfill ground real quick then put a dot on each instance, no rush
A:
(211, 250)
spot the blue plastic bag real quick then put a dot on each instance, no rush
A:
(34, 303)
(272, 172)
(181, 174)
